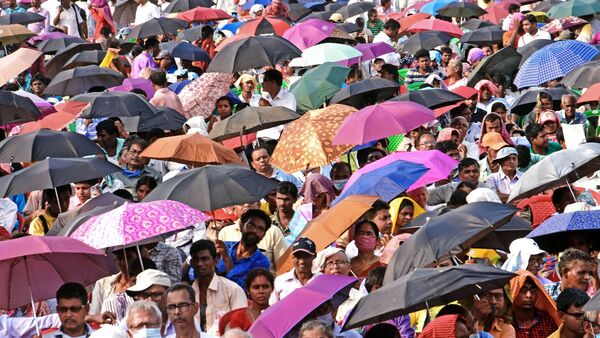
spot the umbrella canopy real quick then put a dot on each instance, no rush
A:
(164, 118)
(22, 18)
(124, 13)
(253, 52)
(85, 58)
(81, 79)
(590, 95)
(35, 267)
(54, 172)
(593, 304)
(130, 84)
(382, 120)
(177, 6)
(490, 34)
(497, 11)
(583, 76)
(557, 25)
(157, 26)
(552, 233)
(565, 166)
(203, 14)
(473, 24)
(307, 142)
(554, 61)
(53, 45)
(370, 51)
(194, 150)
(574, 8)
(436, 25)
(424, 288)
(114, 104)
(278, 319)
(318, 85)
(424, 40)
(55, 121)
(505, 62)
(324, 16)
(216, 186)
(56, 64)
(525, 103)
(14, 33)
(41, 144)
(190, 34)
(356, 8)
(16, 108)
(360, 94)
(532, 47)
(15, 63)
(433, 6)
(264, 26)
(407, 21)
(325, 52)
(447, 235)
(186, 51)
(134, 222)
(309, 33)
(200, 96)
(250, 120)
(461, 10)
(431, 98)
(297, 11)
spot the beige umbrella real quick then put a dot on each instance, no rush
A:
(13, 64)
(14, 33)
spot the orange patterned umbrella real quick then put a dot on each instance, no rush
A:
(307, 142)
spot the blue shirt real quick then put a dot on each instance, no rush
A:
(241, 267)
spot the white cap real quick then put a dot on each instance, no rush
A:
(526, 245)
(483, 195)
(147, 278)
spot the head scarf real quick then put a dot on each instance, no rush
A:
(483, 195)
(314, 185)
(475, 54)
(441, 327)
(245, 78)
(391, 247)
(490, 86)
(498, 100)
(503, 132)
(395, 209)
(436, 55)
(101, 8)
(434, 76)
(446, 134)
(319, 262)
(276, 8)
(519, 15)
(544, 303)
(520, 251)
(197, 125)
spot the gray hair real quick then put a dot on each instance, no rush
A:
(316, 325)
(566, 96)
(236, 333)
(141, 306)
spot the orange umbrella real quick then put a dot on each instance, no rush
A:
(408, 21)
(592, 94)
(66, 112)
(192, 149)
(264, 25)
(239, 36)
(13, 64)
(203, 14)
(330, 225)
(307, 142)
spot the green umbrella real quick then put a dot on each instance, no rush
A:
(574, 8)
(318, 85)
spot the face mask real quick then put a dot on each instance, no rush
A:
(327, 318)
(365, 243)
(147, 333)
(339, 184)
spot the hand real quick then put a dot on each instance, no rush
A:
(384, 240)
(221, 248)
(102, 318)
(60, 9)
(86, 122)
(462, 151)
(263, 103)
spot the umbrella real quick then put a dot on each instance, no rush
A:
(203, 14)
(250, 120)
(318, 85)
(356, 8)
(54, 172)
(497, 11)
(407, 21)
(16, 108)
(130, 84)
(552, 233)
(231, 39)
(370, 51)
(57, 62)
(461, 10)
(433, 6)
(593, 304)
(199, 96)
(532, 47)
(423, 288)
(79, 80)
(554, 61)
(134, 222)
(163, 118)
(186, 51)
(431, 98)
(557, 25)
(360, 94)
(473, 24)
(264, 26)
(52, 46)
(85, 58)
(329, 225)
(382, 120)
(565, 166)
(324, 16)
(253, 52)
(22, 18)
(177, 6)
(347, 27)
(490, 34)
(504, 62)
(583, 76)
(525, 103)
(15, 63)
(592, 94)
(157, 26)
(14, 33)
(41, 144)
(124, 13)
(574, 8)
(194, 150)
(278, 319)
(114, 104)
(309, 33)
(325, 52)
(447, 235)
(297, 11)
(55, 121)
(544, 6)
(424, 40)
(191, 34)
(307, 142)
(215, 186)
(435, 25)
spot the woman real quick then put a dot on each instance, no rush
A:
(143, 187)
(454, 71)
(447, 326)
(247, 83)
(502, 108)
(224, 108)
(100, 11)
(366, 235)
(543, 102)
(494, 123)
(403, 210)
(474, 57)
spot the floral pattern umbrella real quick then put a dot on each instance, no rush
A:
(200, 96)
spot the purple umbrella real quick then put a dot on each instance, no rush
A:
(280, 318)
(48, 36)
(382, 120)
(370, 51)
(309, 33)
(130, 84)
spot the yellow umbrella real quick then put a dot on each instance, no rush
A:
(307, 142)
(13, 64)
(14, 33)
(540, 16)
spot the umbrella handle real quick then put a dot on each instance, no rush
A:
(571, 189)
(137, 246)
(37, 325)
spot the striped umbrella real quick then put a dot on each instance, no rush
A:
(554, 61)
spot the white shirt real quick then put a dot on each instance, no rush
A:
(146, 12)
(68, 18)
(283, 99)
(285, 284)
(389, 57)
(527, 38)
(253, 100)
(502, 183)
(171, 333)
(506, 23)
(25, 326)
(60, 334)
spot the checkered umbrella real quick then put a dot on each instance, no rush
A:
(554, 61)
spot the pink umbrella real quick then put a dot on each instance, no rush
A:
(382, 120)
(200, 96)
(436, 25)
(309, 33)
(44, 106)
(139, 83)
(370, 51)
(134, 222)
(440, 165)
(48, 36)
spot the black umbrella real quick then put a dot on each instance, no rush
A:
(297, 11)
(126, 46)
(186, 51)
(165, 118)
(334, 6)
(160, 26)
(447, 235)
(251, 120)
(40, 144)
(525, 103)
(363, 93)
(16, 108)
(583, 76)
(461, 10)
(356, 8)
(473, 24)
(115, 104)
(191, 34)
(348, 27)
(54, 172)
(79, 80)
(423, 288)
(490, 34)
(504, 62)
(424, 40)
(593, 304)
(531, 48)
(51, 46)
(85, 58)
(253, 52)
(318, 15)
(184, 5)
(124, 13)
(431, 98)
(544, 6)
(214, 187)
(57, 62)
(22, 18)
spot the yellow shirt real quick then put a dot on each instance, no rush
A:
(499, 329)
(556, 334)
(36, 226)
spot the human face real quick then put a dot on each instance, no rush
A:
(424, 63)
(374, 156)
(573, 320)
(38, 86)
(469, 174)
(527, 296)
(481, 306)
(387, 76)
(138, 320)
(487, 50)
(341, 173)
(568, 104)
(546, 104)
(405, 215)
(284, 203)
(419, 195)
(454, 154)
(238, 210)
(509, 164)
(383, 219)
(502, 112)
(446, 58)
(203, 263)
(578, 274)
(496, 300)
(72, 316)
(83, 191)
(260, 160)
(426, 142)
(462, 127)
(135, 160)
(269, 86)
(253, 231)
(337, 264)
(550, 127)
(486, 94)
(260, 290)
(156, 294)
(142, 192)
(534, 264)
(224, 109)
(180, 308)
(529, 27)
(541, 140)
(106, 140)
(302, 261)
(248, 86)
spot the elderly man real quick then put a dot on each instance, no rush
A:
(72, 308)
(468, 171)
(151, 285)
(144, 319)
(181, 309)
(576, 270)
(135, 166)
(260, 162)
(505, 179)
(568, 114)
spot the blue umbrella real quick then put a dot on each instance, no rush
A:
(232, 27)
(178, 86)
(551, 234)
(432, 7)
(186, 51)
(250, 3)
(386, 182)
(554, 61)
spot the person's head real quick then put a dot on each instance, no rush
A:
(286, 196)
(487, 89)
(543, 101)
(374, 279)
(550, 121)
(375, 154)
(72, 307)
(152, 45)
(386, 3)
(54, 205)
(135, 149)
(529, 24)
(39, 83)
(144, 319)
(380, 215)
(561, 197)
(425, 141)
(83, 190)
(272, 81)
(236, 333)
(500, 81)
(568, 103)
(151, 285)
(536, 135)
(181, 305)
(247, 83)
(390, 72)
(206, 32)
(158, 78)
(576, 269)
(468, 170)
(366, 234)
(450, 326)
(391, 28)
(260, 159)
(406, 212)
(464, 109)
(203, 258)
(508, 158)
(316, 329)
(527, 295)
(419, 195)
(569, 304)
(475, 56)
(107, 132)
(461, 124)
(144, 186)
(254, 224)
(513, 8)
(449, 148)
(494, 298)
(304, 252)
(260, 283)
(500, 109)
(454, 68)
(446, 54)
(339, 174)
(487, 50)
(422, 56)
(333, 261)
(224, 107)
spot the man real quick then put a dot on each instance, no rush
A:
(145, 11)
(576, 270)
(486, 310)
(570, 310)
(41, 224)
(531, 31)
(238, 258)
(181, 309)
(449, 148)
(419, 195)
(568, 114)
(72, 308)
(135, 166)
(151, 285)
(163, 96)
(446, 56)
(286, 196)
(468, 171)
(534, 313)
(144, 319)
(274, 96)
(304, 252)
(425, 141)
(107, 137)
(83, 192)
(166, 258)
(487, 50)
(41, 27)
(145, 59)
(68, 16)
(389, 35)
(38, 81)
(423, 69)
(385, 8)
(512, 9)
(492, 142)
(540, 145)
(260, 162)
(507, 176)
(215, 295)
(12, 7)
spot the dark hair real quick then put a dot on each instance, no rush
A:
(531, 18)
(467, 184)
(499, 79)
(183, 286)
(273, 75)
(512, 8)
(446, 50)
(135, 267)
(382, 330)
(139, 141)
(571, 296)
(256, 272)
(422, 53)
(492, 117)
(256, 213)
(105, 31)
(375, 278)
(108, 126)
(96, 89)
(495, 106)
(467, 162)
(146, 180)
(458, 111)
(139, 91)
(532, 130)
(372, 11)
(287, 188)
(123, 193)
(155, 133)
(203, 244)
(406, 203)
(377, 206)
(225, 98)
(72, 290)
(136, 50)
(88, 182)
(151, 42)
(49, 195)
(206, 31)
(446, 146)
(560, 134)
(370, 223)
(40, 77)
(383, 2)
(391, 24)
(523, 155)
(376, 150)
(337, 165)
(571, 255)
(453, 309)
(458, 198)
(391, 69)
(158, 77)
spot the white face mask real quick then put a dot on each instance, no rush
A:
(148, 333)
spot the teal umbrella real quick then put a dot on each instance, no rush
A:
(318, 85)
(574, 8)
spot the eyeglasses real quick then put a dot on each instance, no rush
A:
(135, 151)
(183, 307)
(330, 264)
(65, 309)
(578, 316)
(490, 295)
(144, 295)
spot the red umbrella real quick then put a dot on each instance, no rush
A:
(498, 11)
(264, 25)
(407, 21)
(436, 25)
(203, 14)
(227, 40)
(591, 95)
(463, 91)
(557, 25)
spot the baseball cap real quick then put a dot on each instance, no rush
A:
(493, 140)
(505, 152)
(257, 8)
(304, 244)
(548, 115)
(147, 278)
(527, 246)
(336, 17)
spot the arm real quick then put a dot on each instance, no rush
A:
(56, 18)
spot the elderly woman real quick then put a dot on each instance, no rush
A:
(454, 71)
(315, 328)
